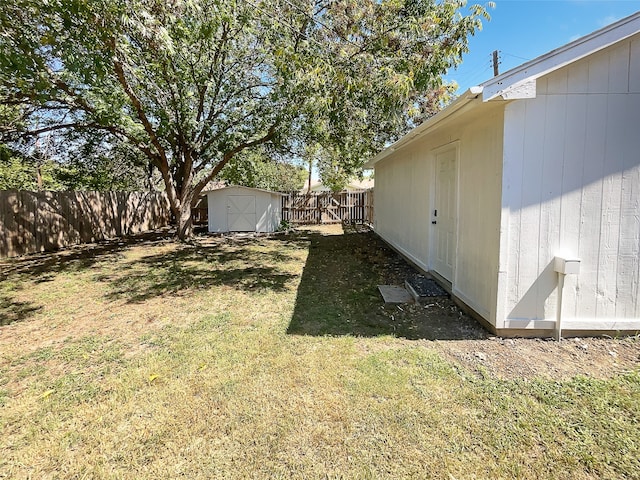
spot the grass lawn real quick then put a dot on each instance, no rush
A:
(274, 358)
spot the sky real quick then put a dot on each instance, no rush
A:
(522, 30)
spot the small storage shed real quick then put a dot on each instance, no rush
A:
(243, 209)
(523, 195)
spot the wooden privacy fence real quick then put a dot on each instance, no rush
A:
(44, 221)
(328, 207)
(200, 213)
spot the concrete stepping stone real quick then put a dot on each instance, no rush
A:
(395, 294)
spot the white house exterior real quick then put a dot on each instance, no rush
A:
(540, 162)
(243, 209)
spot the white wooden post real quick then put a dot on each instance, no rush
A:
(563, 266)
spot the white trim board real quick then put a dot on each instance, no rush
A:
(575, 324)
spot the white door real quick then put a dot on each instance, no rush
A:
(444, 214)
(241, 213)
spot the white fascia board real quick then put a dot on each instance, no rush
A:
(520, 91)
(508, 83)
(427, 126)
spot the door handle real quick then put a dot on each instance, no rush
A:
(433, 222)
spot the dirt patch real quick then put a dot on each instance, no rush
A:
(531, 357)
(440, 323)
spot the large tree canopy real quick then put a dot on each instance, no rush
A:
(192, 83)
(256, 168)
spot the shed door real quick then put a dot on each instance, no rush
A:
(444, 214)
(241, 213)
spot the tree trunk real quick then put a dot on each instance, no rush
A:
(185, 223)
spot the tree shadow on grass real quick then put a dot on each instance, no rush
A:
(42, 267)
(194, 267)
(15, 311)
(338, 294)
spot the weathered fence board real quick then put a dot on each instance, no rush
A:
(328, 207)
(44, 221)
(200, 212)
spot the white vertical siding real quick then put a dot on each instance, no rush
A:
(591, 206)
(510, 231)
(634, 65)
(479, 192)
(268, 208)
(528, 263)
(217, 210)
(268, 212)
(404, 204)
(628, 271)
(570, 215)
(574, 153)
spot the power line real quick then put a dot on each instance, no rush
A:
(515, 56)
(473, 70)
(479, 74)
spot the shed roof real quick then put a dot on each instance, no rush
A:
(519, 82)
(245, 188)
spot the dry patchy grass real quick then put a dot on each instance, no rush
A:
(256, 358)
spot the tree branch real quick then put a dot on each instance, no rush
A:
(137, 105)
(163, 166)
(214, 62)
(62, 126)
(230, 125)
(230, 154)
